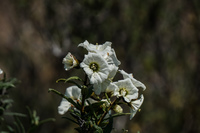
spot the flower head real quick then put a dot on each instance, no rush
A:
(104, 50)
(135, 105)
(133, 80)
(95, 67)
(72, 92)
(70, 61)
(126, 89)
(101, 87)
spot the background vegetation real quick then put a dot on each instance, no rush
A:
(158, 41)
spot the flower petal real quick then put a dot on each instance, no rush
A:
(64, 106)
(134, 81)
(102, 71)
(135, 105)
(73, 92)
(113, 89)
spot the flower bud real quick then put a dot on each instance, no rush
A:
(70, 62)
(118, 109)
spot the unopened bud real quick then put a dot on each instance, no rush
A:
(118, 109)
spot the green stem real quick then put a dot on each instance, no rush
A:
(104, 114)
(83, 95)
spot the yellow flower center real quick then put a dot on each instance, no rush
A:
(94, 66)
(123, 91)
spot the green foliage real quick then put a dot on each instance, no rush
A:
(16, 126)
(90, 117)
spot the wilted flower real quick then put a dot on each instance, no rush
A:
(70, 61)
(95, 67)
(135, 105)
(72, 92)
(133, 80)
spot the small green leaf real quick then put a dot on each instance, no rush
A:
(71, 120)
(19, 125)
(109, 127)
(97, 129)
(90, 91)
(10, 129)
(91, 108)
(70, 80)
(46, 120)
(15, 114)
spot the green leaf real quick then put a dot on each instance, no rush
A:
(8, 84)
(97, 129)
(6, 101)
(46, 120)
(70, 80)
(19, 125)
(71, 120)
(10, 129)
(90, 91)
(94, 109)
(15, 114)
(1, 110)
(4, 132)
(75, 115)
(78, 129)
(109, 127)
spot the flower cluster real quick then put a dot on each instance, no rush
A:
(98, 96)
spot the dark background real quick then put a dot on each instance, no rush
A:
(158, 41)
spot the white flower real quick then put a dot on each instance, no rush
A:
(133, 80)
(104, 50)
(126, 90)
(1, 71)
(95, 67)
(112, 58)
(135, 105)
(70, 61)
(112, 90)
(106, 47)
(101, 87)
(72, 92)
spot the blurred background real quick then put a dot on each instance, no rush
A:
(158, 41)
